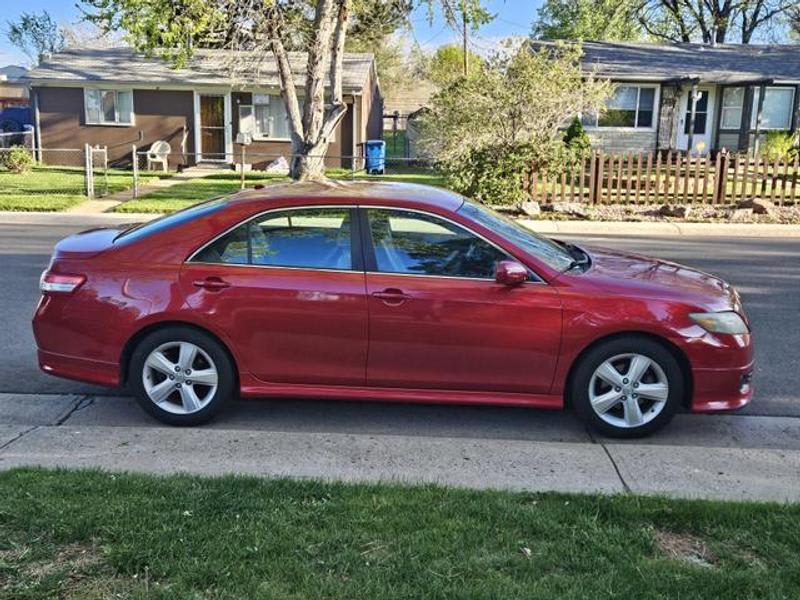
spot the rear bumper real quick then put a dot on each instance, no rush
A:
(81, 369)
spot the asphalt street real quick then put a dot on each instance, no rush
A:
(766, 271)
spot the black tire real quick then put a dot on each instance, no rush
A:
(226, 374)
(578, 387)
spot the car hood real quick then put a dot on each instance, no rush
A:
(633, 274)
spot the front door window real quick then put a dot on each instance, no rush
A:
(700, 114)
(418, 244)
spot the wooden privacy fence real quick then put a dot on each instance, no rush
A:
(669, 177)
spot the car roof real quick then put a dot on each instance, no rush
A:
(353, 192)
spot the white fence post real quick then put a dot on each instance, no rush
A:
(89, 170)
(104, 153)
(135, 164)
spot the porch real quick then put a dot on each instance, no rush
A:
(700, 117)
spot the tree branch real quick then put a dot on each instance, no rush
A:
(286, 78)
(338, 107)
(318, 52)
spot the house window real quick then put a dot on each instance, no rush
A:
(777, 110)
(732, 104)
(108, 107)
(629, 106)
(266, 118)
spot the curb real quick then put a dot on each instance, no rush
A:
(72, 218)
(662, 228)
(632, 228)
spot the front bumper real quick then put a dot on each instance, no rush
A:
(722, 369)
(722, 389)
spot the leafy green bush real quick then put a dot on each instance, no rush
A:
(779, 145)
(576, 138)
(495, 174)
(487, 132)
(16, 159)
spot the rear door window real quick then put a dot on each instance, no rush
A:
(314, 238)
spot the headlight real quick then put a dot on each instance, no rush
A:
(721, 322)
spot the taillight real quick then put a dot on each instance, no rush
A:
(55, 282)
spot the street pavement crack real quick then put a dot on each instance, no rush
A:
(82, 403)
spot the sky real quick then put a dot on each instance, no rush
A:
(514, 17)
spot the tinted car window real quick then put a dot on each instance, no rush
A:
(544, 249)
(177, 218)
(416, 243)
(312, 238)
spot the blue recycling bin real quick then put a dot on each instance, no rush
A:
(375, 151)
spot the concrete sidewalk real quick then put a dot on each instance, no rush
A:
(108, 203)
(727, 457)
(631, 228)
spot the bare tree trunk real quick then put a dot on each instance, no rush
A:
(321, 123)
(312, 130)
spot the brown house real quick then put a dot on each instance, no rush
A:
(118, 98)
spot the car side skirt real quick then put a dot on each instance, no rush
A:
(253, 388)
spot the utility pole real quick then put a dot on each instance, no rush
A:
(464, 34)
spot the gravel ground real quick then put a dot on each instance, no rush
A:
(698, 213)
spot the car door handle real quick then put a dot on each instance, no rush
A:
(391, 296)
(212, 283)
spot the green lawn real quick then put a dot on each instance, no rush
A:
(78, 534)
(56, 188)
(191, 192)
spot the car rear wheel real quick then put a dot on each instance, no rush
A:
(181, 376)
(627, 387)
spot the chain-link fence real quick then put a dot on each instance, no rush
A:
(34, 178)
(248, 167)
(47, 179)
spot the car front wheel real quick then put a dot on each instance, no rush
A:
(627, 387)
(181, 376)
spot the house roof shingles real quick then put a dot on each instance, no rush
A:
(724, 63)
(205, 68)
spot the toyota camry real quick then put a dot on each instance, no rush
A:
(390, 292)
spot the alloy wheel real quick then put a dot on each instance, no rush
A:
(628, 390)
(180, 377)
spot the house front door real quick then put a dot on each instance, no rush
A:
(703, 121)
(212, 127)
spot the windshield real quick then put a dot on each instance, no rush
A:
(546, 250)
(177, 218)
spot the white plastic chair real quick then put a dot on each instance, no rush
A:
(159, 154)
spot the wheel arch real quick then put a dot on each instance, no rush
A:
(680, 356)
(139, 335)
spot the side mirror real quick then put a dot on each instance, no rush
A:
(510, 272)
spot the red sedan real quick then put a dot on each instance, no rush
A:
(388, 292)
